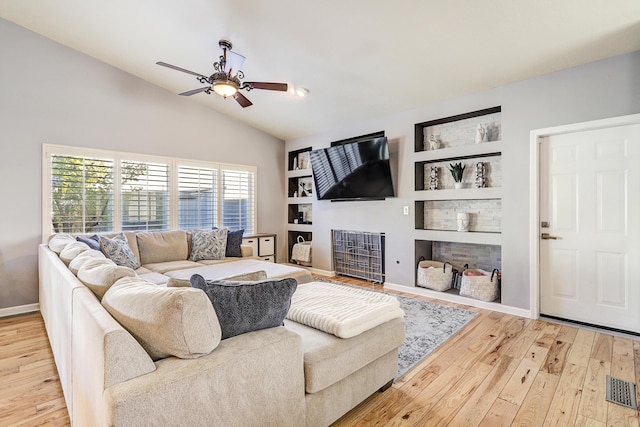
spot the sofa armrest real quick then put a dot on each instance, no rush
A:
(103, 354)
(247, 251)
(251, 379)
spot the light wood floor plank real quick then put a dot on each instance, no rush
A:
(460, 384)
(556, 357)
(480, 402)
(602, 347)
(581, 348)
(593, 402)
(450, 404)
(520, 382)
(564, 407)
(500, 415)
(533, 410)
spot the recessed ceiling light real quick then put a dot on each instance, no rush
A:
(302, 91)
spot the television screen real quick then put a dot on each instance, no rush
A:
(358, 170)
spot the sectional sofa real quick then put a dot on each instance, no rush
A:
(290, 375)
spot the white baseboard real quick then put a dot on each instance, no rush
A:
(321, 272)
(20, 309)
(494, 306)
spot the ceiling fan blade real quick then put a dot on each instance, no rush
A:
(242, 100)
(268, 86)
(194, 91)
(233, 63)
(164, 64)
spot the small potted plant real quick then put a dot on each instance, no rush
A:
(456, 170)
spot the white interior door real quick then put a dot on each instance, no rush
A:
(589, 196)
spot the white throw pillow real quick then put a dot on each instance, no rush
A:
(72, 250)
(82, 258)
(100, 274)
(57, 242)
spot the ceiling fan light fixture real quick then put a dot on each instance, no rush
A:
(225, 88)
(302, 92)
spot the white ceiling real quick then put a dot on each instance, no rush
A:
(360, 59)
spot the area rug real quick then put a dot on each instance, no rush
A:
(428, 325)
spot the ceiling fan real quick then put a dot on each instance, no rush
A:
(227, 78)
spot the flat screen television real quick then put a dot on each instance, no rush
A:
(353, 171)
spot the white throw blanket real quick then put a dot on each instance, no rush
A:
(341, 310)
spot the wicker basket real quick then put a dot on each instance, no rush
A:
(435, 275)
(480, 284)
(301, 252)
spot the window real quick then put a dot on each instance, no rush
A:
(81, 194)
(88, 191)
(144, 188)
(197, 189)
(237, 199)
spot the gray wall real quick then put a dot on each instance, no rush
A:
(593, 91)
(52, 94)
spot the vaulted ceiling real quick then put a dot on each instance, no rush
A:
(360, 59)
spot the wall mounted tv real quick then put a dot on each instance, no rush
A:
(353, 171)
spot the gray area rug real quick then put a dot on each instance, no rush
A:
(428, 325)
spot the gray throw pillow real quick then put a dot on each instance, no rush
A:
(234, 240)
(92, 241)
(118, 251)
(208, 244)
(243, 307)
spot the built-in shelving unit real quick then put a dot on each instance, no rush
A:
(300, 191)
(474, 140)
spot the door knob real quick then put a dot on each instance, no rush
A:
(546, 236)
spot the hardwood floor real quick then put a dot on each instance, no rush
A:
(500, 370)
(30, 392)
(503, 370)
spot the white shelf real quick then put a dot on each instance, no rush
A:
(300, 227)
(461, 237)
(300, 200)
(462, 151)
(299, 173)
(461, 194)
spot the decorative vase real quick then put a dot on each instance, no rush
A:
(481, 134)
(457, 185)
(463, 221)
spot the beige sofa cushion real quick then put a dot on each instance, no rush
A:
(178, 322)
(72, 250)
(329, 359)
(82, 258)
(164, 267)
(57, 242)
(162, 246)
(99, 274)
(244, 277)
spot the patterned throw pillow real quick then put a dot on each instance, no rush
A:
(118, 251)
(234, 240)
(208, 244)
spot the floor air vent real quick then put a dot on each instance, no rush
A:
(621, 392)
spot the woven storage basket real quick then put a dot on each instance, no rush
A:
(301, 252)
(483, 287)
(435, 275)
